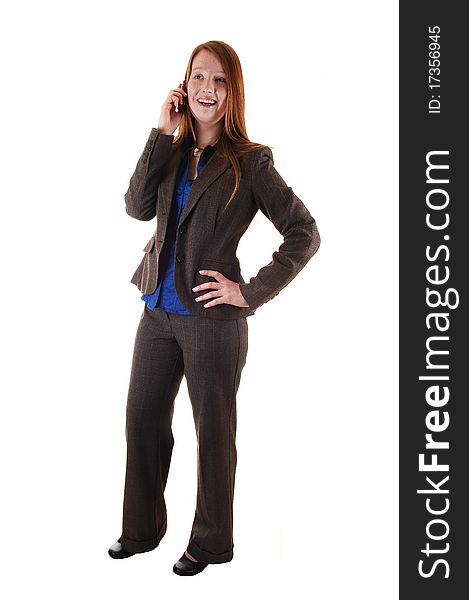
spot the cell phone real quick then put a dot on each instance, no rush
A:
(182, 104)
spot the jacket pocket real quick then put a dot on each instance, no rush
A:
(215, 261)
(149, 269)
(230, 270)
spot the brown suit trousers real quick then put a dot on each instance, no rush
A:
(211, 354)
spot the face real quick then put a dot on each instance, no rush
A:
(207, 81)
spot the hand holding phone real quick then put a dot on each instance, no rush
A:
(171, 110)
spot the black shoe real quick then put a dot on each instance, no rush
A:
(186, 566)
(116, 551)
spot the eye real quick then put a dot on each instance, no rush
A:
(222, 79)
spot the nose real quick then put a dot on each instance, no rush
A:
(207, 89)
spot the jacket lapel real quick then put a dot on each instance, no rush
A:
(211, 171)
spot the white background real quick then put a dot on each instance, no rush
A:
(316, 489)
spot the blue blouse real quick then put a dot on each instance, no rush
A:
(165, 296)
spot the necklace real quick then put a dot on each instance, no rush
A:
(198, 150)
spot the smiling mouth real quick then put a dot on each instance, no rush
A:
(206, 104)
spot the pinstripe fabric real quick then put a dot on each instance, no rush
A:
(209, 230)
(211, 354)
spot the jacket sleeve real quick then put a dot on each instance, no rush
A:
(140, 198)
(292, 219)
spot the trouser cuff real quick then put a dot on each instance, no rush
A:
(145, 545)
(208, 557)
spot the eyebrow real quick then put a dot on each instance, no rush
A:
(201, 69)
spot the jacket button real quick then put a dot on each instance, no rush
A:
(180, 258)
(182, 229)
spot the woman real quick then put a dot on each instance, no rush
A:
(204, 186)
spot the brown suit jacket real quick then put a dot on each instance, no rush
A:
(208, 233)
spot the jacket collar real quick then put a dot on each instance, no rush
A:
(188, 143)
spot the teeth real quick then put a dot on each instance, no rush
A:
(206, 101)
